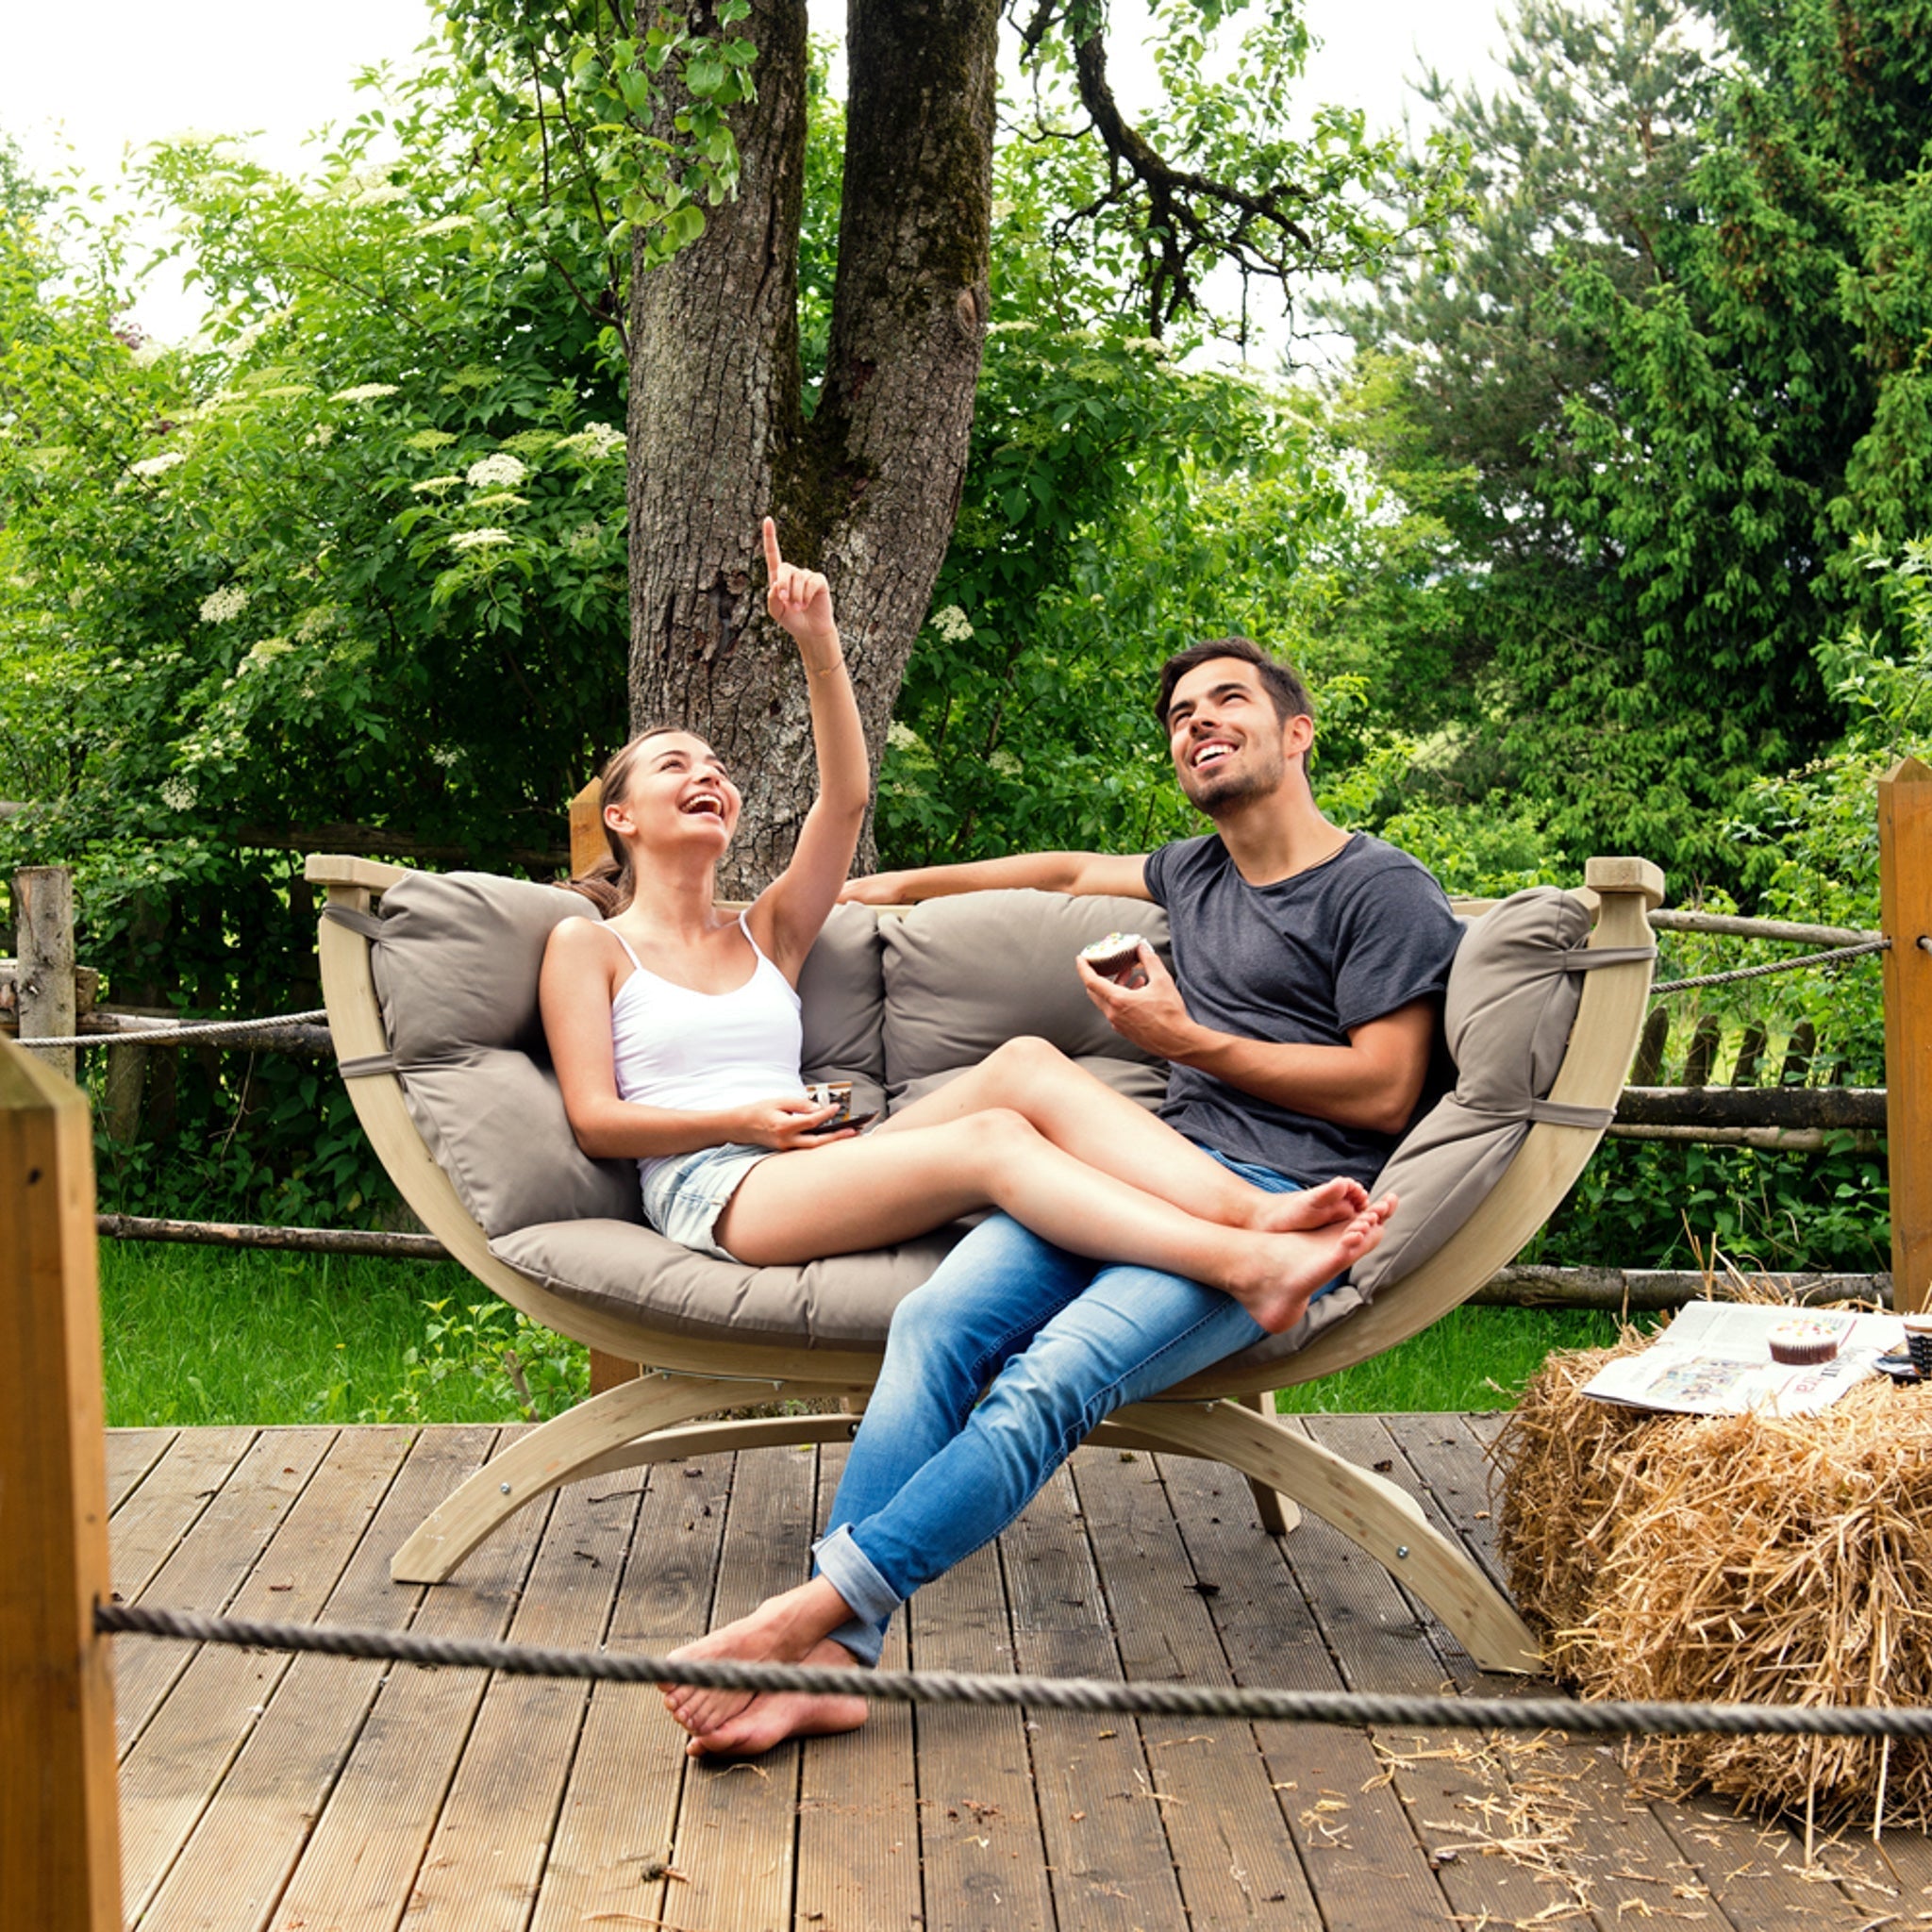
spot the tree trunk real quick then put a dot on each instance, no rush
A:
(869, 490)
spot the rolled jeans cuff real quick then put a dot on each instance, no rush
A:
(869, 1598)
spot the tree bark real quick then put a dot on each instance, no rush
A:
(869, 489)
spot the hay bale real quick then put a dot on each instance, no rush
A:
(1734, 1558)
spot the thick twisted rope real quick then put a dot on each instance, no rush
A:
(192, 1029)
(1354, 1707)
(1804, 959)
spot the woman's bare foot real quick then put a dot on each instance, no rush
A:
(784, 1629)
(1308, 1208)
(1292, 1267)
(773, 1716)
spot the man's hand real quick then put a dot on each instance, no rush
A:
(1153, 1015)
(876, 889)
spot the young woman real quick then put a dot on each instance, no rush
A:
(675, 1033)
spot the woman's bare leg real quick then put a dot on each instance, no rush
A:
(1086, 1118)
(887, 1188)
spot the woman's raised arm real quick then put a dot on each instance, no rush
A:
(793, 909)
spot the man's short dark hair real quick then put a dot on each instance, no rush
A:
(1286, 691)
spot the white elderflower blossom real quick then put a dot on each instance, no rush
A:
(231, 600)
(434, 486)
(952, 624)
(364, 392)
(901, 737)
(156, 466)
(501, 471)
(595, 442)
(444, 225)
(316, 622)
(267, 651)
(1148, 346)
(178, 794)
(499, 499)
(428, 439)
(1019, 328)
(477, 539)
(445, 755)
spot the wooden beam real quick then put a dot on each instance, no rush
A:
(586, 846)
(60, 1823)
(43, 919)
(1905, 889)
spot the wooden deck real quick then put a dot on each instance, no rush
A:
(329, 1795)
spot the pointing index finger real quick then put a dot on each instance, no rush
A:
(773, 562)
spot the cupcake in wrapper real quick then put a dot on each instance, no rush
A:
(1801, 1343)
(1115, 956)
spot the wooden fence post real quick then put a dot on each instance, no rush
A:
(1905, 883)
(60, 1822)
(43, 918)
(586, 846)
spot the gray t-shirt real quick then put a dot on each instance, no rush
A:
(1304, 960)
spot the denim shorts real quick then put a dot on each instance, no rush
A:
(685, 1194)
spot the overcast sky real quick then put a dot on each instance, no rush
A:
(142, 71)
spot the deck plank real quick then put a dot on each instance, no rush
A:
(230, 1520)
(367, 1848)
(1452, 1784)
(1106, 1844)
(736, 1824)
(1623, 1859)
(131, 1453)
(858, 1801)
(1364, 1863)
(149, 1524)
(980, 1848)
(614, 1834)
(487, 1855)
(172, 1772)
(234, 1867)
(1233, 1859)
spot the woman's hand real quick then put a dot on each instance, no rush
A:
(800, 602)
(786, 1122)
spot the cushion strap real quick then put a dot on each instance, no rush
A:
(1561, 1113)
(1581, 958)
(367, 1066)
(365, 923)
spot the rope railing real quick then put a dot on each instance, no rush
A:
(1831, 957)
(1357, 1708)
(210, 1032)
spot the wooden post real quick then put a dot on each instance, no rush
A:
(1905, 884)
(586, 846)
(59, 1825)
(43, 915)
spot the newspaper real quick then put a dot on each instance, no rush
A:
(1715, 1360)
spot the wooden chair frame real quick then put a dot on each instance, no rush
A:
(1225, 1415)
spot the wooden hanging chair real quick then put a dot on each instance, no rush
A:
(430, 988)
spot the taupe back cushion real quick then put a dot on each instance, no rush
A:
(455, 969)
(964, 975)
(1512, 998)
(843, 989)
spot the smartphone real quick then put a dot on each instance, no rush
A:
(850, 1120)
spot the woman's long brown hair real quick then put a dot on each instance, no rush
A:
(608, 885)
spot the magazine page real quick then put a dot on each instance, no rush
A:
(1715, 1360)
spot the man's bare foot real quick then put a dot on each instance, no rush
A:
(1292, 1266)
(783, 1629)
(770, 1718)
(1308, 1208)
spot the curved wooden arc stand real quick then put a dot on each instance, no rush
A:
(650, 1419)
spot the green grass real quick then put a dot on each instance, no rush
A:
(201, 1336)
(1473, 1358)
(205, 1336)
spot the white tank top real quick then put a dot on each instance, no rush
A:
(680, 1048)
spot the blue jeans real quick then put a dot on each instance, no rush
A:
(936, 1469)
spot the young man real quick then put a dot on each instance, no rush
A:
(1301, 1023)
